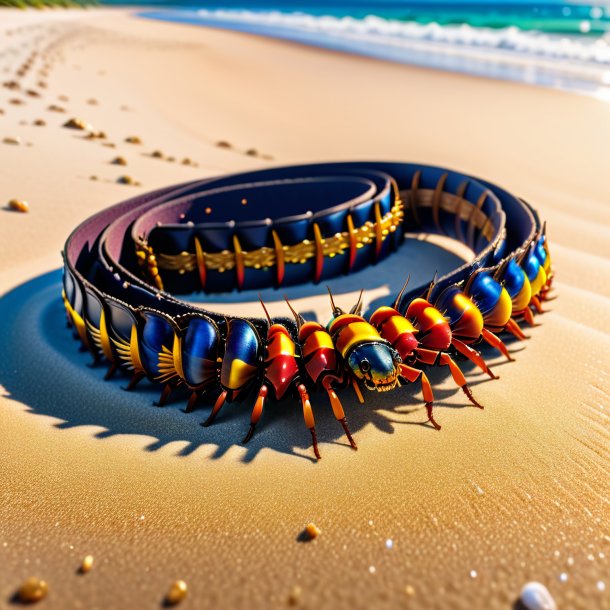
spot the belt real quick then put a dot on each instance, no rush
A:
(125, 267)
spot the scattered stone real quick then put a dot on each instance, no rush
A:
(86, 565)
(39, 123)
(13, 85)
(18, 205)
(294, 597)
(55, 108)
(11, 140)
(157, 154)
(535, 596)
(92, 102)
(42, 84)
(63, 98)
(93, 178)
(16, 101)
(126, 180)
(171, 159)
(96, 135)
(252, 152)
(187, 161)
(410, 590)
(109, 144)
(78, 124)
(312, 531)
(133, 140)
(119, 161)
(177, 593)
(32, 93)
(32, 590)
(224, 144)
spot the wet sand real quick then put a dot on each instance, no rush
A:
(514, 493)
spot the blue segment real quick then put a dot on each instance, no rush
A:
(514, 278)
(156, 333)
(445, 304)
(243, 344)
(200, 347)
(485, 292)
(531, 266)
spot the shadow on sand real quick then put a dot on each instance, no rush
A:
(43, 368)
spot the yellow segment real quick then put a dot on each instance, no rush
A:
(239, 374)
(502, 311)
(539, 281)
(523, 298)
(317, 340)
(280, 345)
(355, 333)
(177, 354)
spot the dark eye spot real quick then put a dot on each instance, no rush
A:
(365, 365)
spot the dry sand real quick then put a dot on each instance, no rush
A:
(514, 493)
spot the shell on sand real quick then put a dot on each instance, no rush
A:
(535, 596)
(119, 161)
(18, 205)
(12, 140)
(32, 590)
(177, 593)
(133, 140)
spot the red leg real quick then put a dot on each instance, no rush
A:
(217, 406)
(535, 301)
(193, 399)
(257, 411)
(473, 356)
(443, 359)
(133, 382)
(309, 419)
(412, 375)
(337, 407)
(496, 342)
(514, 329)
(111, 371)
(358, 391)
(528, 316)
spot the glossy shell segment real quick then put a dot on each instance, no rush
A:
(241, 361)
(492, 300)
(200, 349)
(349, 330)
(281, 368)
(396, 329)
(435, 332)
(157, 335)
(318, 351)
(517, 285)
(464, 318)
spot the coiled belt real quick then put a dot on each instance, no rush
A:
(284, 226)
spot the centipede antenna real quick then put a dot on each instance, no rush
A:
(357, 308)
(266, 312)
(471, 279)
(297, 317)
(432, 283)
(398, 299)
(336, 310)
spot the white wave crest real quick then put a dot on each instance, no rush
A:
(392, 32)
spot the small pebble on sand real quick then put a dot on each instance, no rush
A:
(32, 93)
(410, 590)
(295, 595)
(96, 135)
(126, 180)
(535, 596)
(92, 102)
(39, 123)
(171, 159)
(252, 152)
(312, 531)
(119, 161)
(187, 161)
(93, 178)
(75, 123)
(16, 101)
(63, 98)
(177, 593)
(87, 564)
(13, 85)
(18, 205)
(32, 590)
(133, 140)
(55, 108)
(12, 140)
(223, 144)
(157, 154)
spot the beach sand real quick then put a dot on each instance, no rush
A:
(499, 497)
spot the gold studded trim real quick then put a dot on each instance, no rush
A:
(260, 258)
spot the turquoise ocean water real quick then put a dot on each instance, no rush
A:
(555, 44)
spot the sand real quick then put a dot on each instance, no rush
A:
(514, 493)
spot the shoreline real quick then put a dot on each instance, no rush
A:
(513, 493)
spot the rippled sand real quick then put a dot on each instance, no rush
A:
(514, 493)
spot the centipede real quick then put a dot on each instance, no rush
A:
(126, 267)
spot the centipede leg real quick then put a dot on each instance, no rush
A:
(133, 382)
(192, 401)
(338, 411)
(443, 359)
(165, 394)
(528, 316)
(257, 411)
(412, 375)
(217, 406)
(496, 342)
(309, 418)
(112, 369)
(535, 301)
(514, 329)
(473, 356)
(358, 391)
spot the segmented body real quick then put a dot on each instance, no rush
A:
(234, 360)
